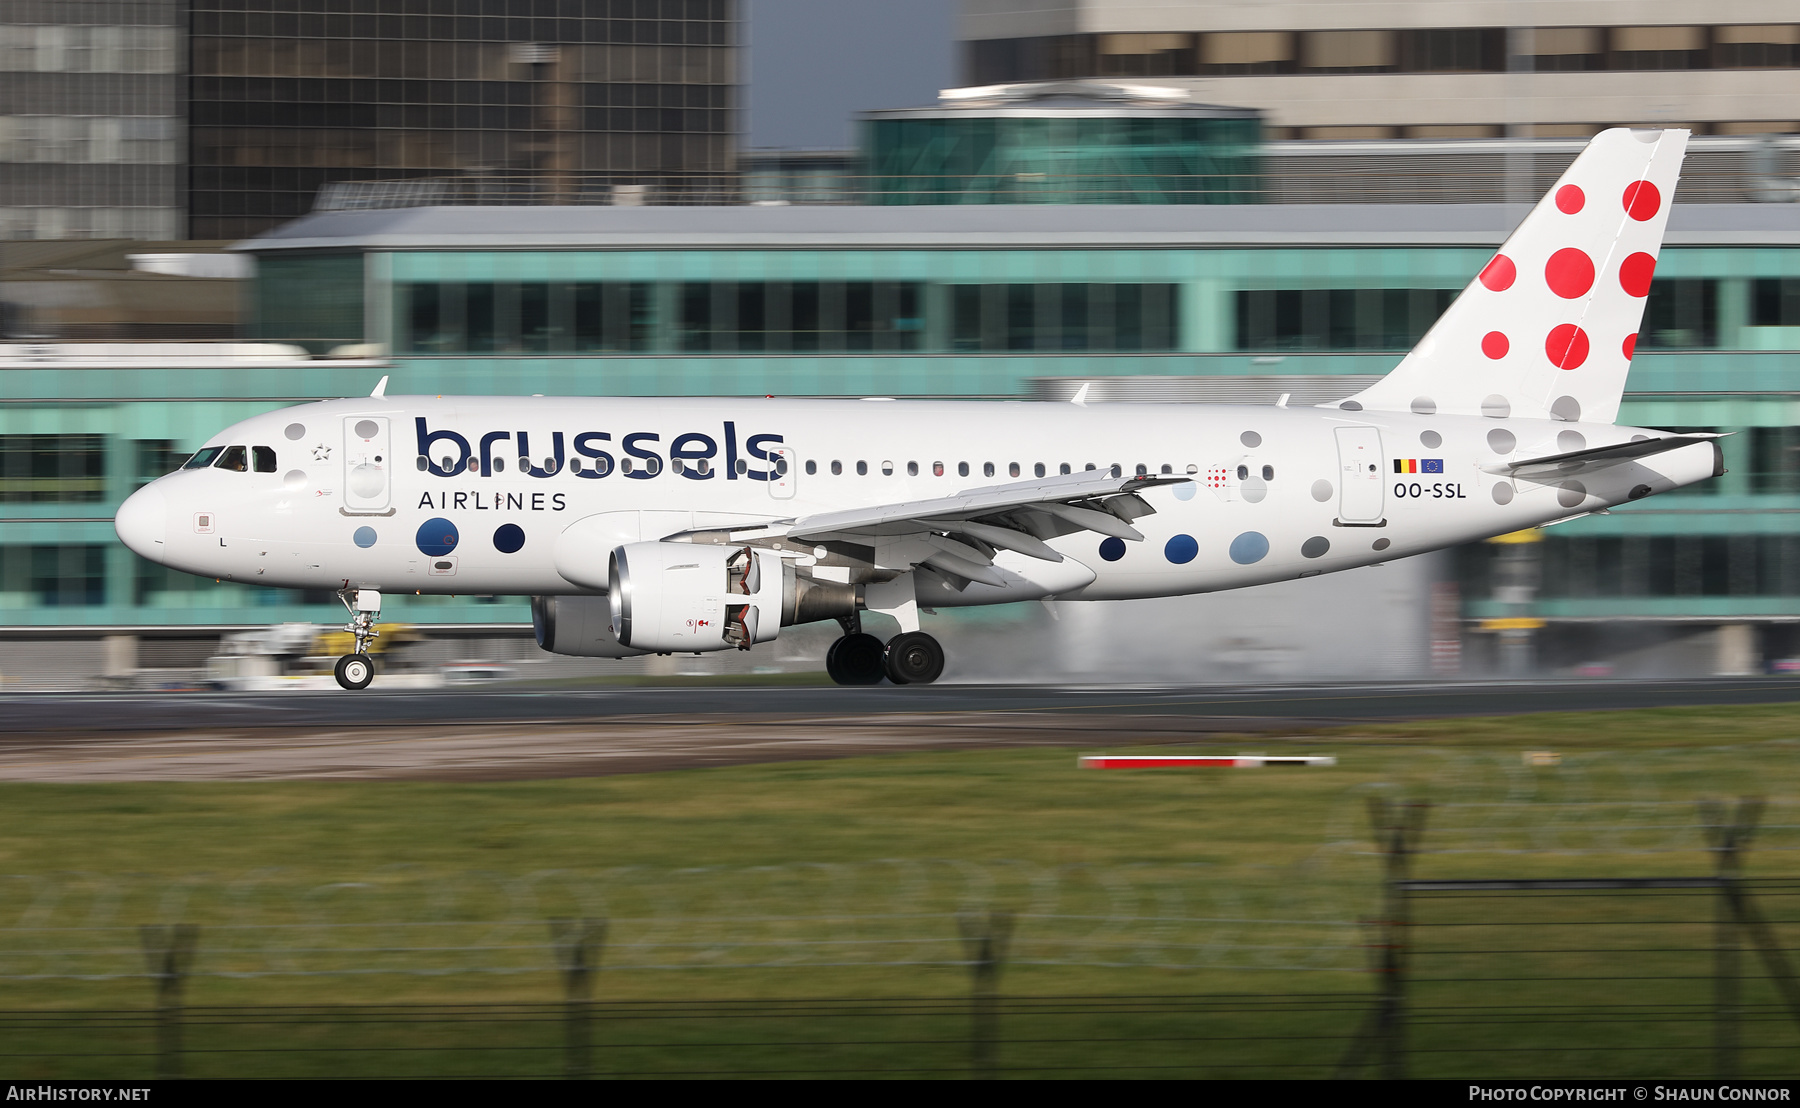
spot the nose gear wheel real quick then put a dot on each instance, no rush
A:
(354, 671)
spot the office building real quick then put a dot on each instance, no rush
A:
(549, 97)
(1418, 68)
(91, 119)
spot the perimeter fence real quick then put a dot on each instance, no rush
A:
(1346, 962)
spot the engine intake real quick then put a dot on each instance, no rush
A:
(674, 596)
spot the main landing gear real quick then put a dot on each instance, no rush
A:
(912, 658)
(354, 671)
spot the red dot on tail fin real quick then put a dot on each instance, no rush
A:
(1494, 345)
(1569, 273)
(1569, 199)
(1567, 346)
(1635, 273)
(1630, 347)
(1499, 273)
(1642, 200)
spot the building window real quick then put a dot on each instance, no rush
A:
(1347, 51)
(1337, 319)
(1776, 47)
(1231, 53)
(152, 458)
(1145, 55)
(1682, 313)
(1565, 49)
(1775, 302)
(62, 469)
(1658, 48)
(1452, 50)
(55, 576)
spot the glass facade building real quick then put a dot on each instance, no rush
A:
(1063, 149)
(91, 127)
(288, 95)
(1240, 303)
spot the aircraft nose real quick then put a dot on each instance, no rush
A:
(142, 522)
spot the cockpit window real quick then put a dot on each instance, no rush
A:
(264, 457)
(234, 459)
(203, 458)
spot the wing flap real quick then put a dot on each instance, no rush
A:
(1046, 493)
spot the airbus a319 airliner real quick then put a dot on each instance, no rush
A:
(686, 525)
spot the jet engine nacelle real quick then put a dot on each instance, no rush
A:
(579, 626)
(677, 596)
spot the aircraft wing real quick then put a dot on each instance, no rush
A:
(959, 534)
(1600, 457)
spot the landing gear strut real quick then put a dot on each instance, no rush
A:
(355, 670)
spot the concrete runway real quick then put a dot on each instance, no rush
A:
(490, 734)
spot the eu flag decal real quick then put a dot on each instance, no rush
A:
(1418, 465)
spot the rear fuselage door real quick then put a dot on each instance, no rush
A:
(368, 464)
(1360, 475)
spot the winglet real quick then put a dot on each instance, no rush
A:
(380, 387)
(1281, 401)
(1080, 396)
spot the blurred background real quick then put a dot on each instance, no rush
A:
(215, 208)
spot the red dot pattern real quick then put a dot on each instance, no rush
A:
(1569, 199)
(1642, 200)
(1635, 273)
(1630, 346)
(1567, 346)
(1569, 273)
(1495, 345)
(1500, 273)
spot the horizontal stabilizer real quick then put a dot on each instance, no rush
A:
(1600, 457)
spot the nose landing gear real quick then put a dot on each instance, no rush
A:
(354, 671)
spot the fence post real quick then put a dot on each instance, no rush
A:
(1397, 829)
(1728, 834)
(169, 953)
(986, 940)
(578, 944)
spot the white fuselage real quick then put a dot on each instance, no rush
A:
(330, 515)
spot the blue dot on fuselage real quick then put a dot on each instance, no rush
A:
(509, 538)
(1112, 549)
(437, 537)
(364, 537)
(1186, 490)
(1249, 548)
(1181, 549)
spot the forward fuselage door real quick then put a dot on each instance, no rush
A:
(368, 464)
(1360, 475)
(781, 473)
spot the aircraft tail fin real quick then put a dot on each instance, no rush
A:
(1548, 328)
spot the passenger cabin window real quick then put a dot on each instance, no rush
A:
(1268, 473)
(837, 467)
(1066, 467)
(1038, 469)
(264, 457)
(912, 469)
(203, 458)
(862, 469)
(987, 469)
(962, 469)
(235, 458)
(1012, 469)
(887, 469)
(937, 469)
(424, 463)
(812, 467)
(1142, 469)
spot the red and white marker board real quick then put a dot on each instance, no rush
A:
(1216, 761)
